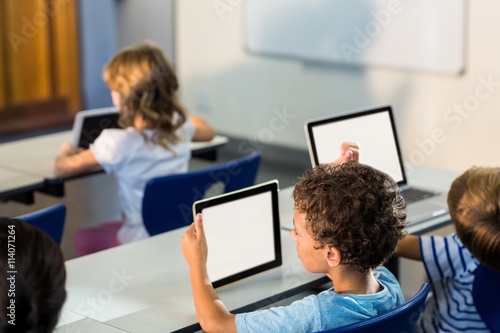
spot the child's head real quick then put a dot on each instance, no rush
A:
(143, 84)
(36, 291)
(354, 208)
(474, 204)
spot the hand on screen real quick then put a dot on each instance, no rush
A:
(194, 243)
(349, 151)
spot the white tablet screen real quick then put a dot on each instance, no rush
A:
(373, 130)
(242, 231)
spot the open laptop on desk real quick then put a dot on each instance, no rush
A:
(243, 232)
(89, 124)
(375, 131)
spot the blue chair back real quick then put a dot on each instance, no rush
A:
(167, 202)
(50, 219)
(400, 319)
(486, 293)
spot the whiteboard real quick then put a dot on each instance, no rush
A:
(426, 35)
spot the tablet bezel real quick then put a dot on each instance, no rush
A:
(270, 186)
(80, 118)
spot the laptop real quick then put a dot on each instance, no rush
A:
(243, 232)
(88, 125)
(375, 131)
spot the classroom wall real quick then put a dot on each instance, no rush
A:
(447, 121)
(134, 23)
(109, 25)
(97, 23)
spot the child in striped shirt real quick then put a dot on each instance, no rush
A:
(451, 261)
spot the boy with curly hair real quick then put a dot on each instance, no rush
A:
(348, 220)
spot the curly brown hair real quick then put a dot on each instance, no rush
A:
(354, 208)
(148, 85)
(474, 204)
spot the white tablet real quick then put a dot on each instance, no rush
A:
(243, 232)
(89, 124)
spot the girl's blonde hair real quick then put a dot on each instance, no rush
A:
(148, 87)
(474, 203)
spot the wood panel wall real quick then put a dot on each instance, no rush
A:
(39, 64)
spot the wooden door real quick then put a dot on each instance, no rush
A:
(39, 64)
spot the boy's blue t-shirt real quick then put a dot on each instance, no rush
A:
(326, 310)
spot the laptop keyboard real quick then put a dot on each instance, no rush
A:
(413, 194)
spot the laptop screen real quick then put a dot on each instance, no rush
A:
(243, 232)
(89, 124)
(373, 129)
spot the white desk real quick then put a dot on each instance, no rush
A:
(34, 158)
(75, 323)
(144, 286)
(430, 178)
(19, 186)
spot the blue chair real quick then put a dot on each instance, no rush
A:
(486, 293)
(400, 319)
(50, 219)
(167, 202)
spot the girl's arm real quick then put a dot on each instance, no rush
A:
(409, 247)
(72, 161)
(211, 312)
(203, 130)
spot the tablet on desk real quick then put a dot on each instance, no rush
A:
(243, 232)
(89, 124)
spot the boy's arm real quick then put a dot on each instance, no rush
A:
(409, 247)
(348, 151)
(211, 312)
(203, 130)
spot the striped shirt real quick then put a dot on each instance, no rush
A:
(450, 268)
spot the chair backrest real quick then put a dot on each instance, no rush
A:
(167, 202)
(50, 219)
(486, 293)
(400, 319)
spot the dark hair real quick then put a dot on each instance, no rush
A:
(354, 208)
(148, 85)
(37, 287)
(474, 203)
